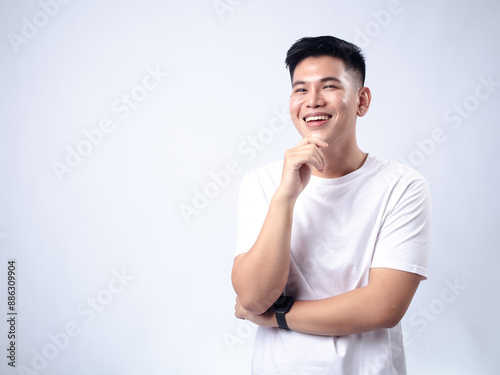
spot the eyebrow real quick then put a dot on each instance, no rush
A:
(326, 79)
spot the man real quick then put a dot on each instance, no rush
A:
(341, 233)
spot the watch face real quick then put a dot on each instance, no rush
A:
(283, 304)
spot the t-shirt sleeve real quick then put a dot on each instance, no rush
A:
(404, 238)
(253, 205)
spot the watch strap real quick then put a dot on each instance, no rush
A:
(280, 318)
(280, 308)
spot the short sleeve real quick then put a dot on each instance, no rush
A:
(403, 241)
(252, 208)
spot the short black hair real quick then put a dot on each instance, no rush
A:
(327, 45)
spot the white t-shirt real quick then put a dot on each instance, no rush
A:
(376, 216)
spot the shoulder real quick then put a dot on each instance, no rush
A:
(262, 182)
(396, 173)
(399, 184)
(405, 189)
(268, 174)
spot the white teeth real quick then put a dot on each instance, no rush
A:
(317, 118)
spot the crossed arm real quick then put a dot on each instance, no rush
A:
(260, 275)
(380, 304)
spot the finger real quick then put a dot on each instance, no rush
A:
(313, 160)
(315, 148)
(319, 154)
(312, 156)
(239, 312)
(239, 317)
(313, 140)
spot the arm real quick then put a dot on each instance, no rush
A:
(385, 299)
(259, 276)
(380, 304)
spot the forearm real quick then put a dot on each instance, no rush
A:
(346, 314)
(349, 313)
(380, 304)
(260, 275)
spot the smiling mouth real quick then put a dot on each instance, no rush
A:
(317, 118)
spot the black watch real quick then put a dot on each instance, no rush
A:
(280, 308)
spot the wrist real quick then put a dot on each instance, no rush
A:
(282, 199)
(280, 308)
(273, 320)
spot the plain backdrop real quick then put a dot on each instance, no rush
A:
(127, 126)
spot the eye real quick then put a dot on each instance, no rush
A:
(330, 87)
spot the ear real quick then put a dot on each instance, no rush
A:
(365, 98)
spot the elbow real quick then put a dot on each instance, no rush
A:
(390, 322)
(257, 301)
(255, 298)
(251, 301)
(254, 305)
(390, 318)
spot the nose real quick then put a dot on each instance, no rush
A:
(315, 99)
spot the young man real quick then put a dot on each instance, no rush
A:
(342, 234)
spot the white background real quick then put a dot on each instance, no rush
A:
(119, 209)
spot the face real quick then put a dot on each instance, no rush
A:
(326, 100)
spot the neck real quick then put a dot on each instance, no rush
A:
(341, 160)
